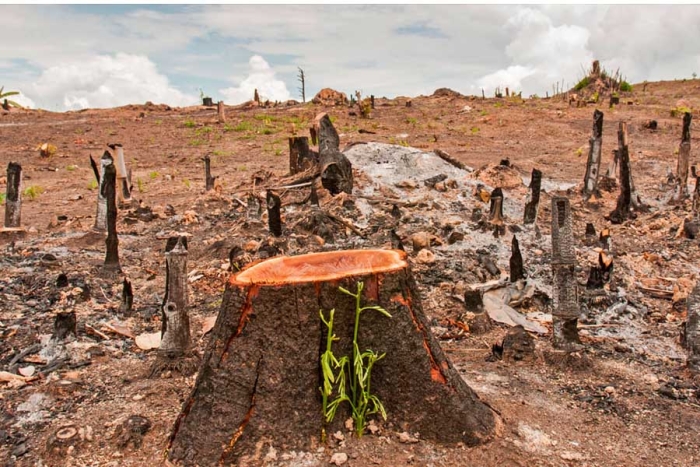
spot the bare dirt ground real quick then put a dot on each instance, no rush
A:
(626, 400)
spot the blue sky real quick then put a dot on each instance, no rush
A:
(75, 56)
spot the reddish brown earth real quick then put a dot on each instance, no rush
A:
(624, 401)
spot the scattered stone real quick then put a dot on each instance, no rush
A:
(405, 438)
(339, 458)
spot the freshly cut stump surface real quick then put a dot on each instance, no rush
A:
(258, 385)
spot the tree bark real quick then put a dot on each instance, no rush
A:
(274, 218)
(175, 330)
(208, 179)
(533, 197)
(683, 159)
(258, 385)
(590, 182)
(565, 311)
(123, 191)
(300, 157)
(691, 337)
(624, 200)
(13, 196)
(127, 297)
(336, 173)
(64, 324)
(517, 270)
(221, 111)
(101, 215)
(112, 242)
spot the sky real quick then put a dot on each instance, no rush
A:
(70, 57)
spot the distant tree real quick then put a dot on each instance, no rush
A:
(302, 89)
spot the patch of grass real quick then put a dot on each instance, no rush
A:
(243, 126)
(187, 183)
(333, 119)
(267, 119)
(205, 130)
(92, 185)
(474, 130)
(196, 142)
(625, 87)
(2, 198)
(679, 111)
(411, 121)
(583, 83)
(498, 105)
(140, 185)
(227, 128)
(189, 123)
(33, 192)
(158, 122)
(483, 113)
(71, 168)
(579, 151)
(242, 168)
(153, 175)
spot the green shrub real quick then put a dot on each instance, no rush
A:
(625, 87)
(583, 83)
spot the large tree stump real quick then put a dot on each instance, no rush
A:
(13, 196)
(533, 198)
(683, 164)
(101, 215)
(258, 385)
(565, 312)
(300, 157)
(335, 168)
(112, 241)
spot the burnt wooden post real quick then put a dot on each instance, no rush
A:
(299, 155)
(517, 271)
(175, 328)
(13, 196)
(274, 218)
(335, 168)
(565, 312)
(123, 191)
(112, 252)
(371, 100)
(624, 200)
(208, 179)
(258, 384)
(64, 324)
(684, 159)
(101, 216)
(691, 334)
(533, 197)
(221, 111)
(696, 194)
(127, 297)
(590, 181)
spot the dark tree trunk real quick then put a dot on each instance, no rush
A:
(533, 197)
(101, 215)
(300, 157)
(208, 179)
(313, 197)
(624, 200)
(326, 134)
(683, 159)
(336, 173)
(274, 218)
(371, 100)
(590, 181)
(127, 297)
(565, 311)
(112, 243)
(517, 271)
(258, 385)
(13, 197)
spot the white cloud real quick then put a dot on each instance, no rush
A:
(260, 77)
(105, 81)
(541, 53)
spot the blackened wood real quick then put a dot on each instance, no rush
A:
(517, 271)
(313, 197)
(62, 280)
(13, 195)
(328, 139)
(496, 208)
(101, 215)
(208, 179)
(533, 197)
(696, 194)
(123, 191)
(565, 311)
(95, 170)
(451, 160)
(259, 379)
(691, 333)
(274, 217)
(622, 209)
(300, 157)
(336, 172)
(64, 324)
(518, 346)
(127, 297)
(371, 100)
(683, 159)
(479, 322)
(175, 330)
(396, 242)
(590, 181)
(112, 243)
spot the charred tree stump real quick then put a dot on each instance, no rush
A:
(326, 134)
(258, 385)
(517, 271)
(696, 195)
(590, 181)
(64, 324)
(123, 189)
(533, 198)
(174, 352)
(622, 210)
(478, 320)
(300, 157)
(566, 311)
(127, 297)
(623, 145)
(274, 218)
(683, 159)
(691, 333)
(335, 168)
(208, 179)
(496, 212)
(313, 196)
(101, 215)
(371, 101)
(221, 112)
(111, 263)
(13, 196)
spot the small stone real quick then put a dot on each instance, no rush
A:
(349, 424)
(420, 240)
(138, 397)
(455, 237)
(339, 436)
(31, 303)
(405, 438)
(425, 257)
(610, 390)
(20, 450)
(339, 458)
